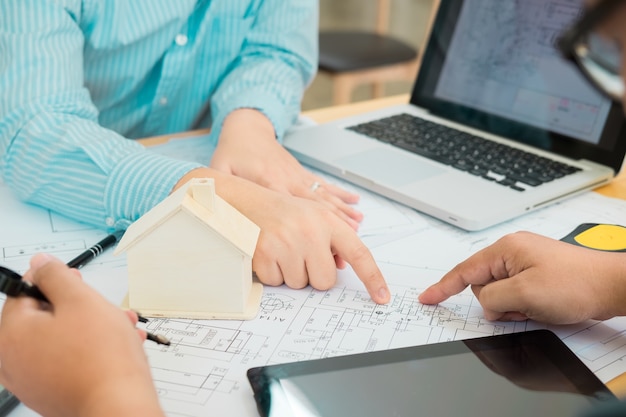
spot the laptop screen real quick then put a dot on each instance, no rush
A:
(493, 65)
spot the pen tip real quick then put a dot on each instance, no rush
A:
(162, 340)
(157, 338)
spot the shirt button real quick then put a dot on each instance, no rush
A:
(109, 221)
(163, 101)
(181, 40)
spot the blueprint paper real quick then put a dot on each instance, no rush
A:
(203, 372)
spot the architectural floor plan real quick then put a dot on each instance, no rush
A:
(203, 372)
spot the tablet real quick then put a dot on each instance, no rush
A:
(522, 374)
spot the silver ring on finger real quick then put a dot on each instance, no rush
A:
(315, 186)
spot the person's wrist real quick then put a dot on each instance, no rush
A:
(240, 121)
(194, 173)
(242, 194)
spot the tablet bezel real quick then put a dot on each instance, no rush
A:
(8, 401)
(575, 371)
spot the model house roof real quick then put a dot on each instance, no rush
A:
(198, 199)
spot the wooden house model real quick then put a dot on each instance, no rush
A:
(191, 257)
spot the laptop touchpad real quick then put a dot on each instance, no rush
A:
(387, 166)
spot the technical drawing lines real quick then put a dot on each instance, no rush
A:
(206, 339)
(343, 321)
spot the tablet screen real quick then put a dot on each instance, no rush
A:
(521, 374)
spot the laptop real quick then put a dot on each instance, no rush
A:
(498, 124)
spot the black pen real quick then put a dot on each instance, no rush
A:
(12, 284)
(88, 255)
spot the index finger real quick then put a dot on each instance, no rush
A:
(479, 269)
(352, 250)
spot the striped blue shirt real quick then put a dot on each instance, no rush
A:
(78, 78)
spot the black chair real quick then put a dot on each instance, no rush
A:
(352, 58)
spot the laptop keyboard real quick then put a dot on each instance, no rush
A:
(490, 160)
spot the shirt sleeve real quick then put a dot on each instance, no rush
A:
(277, 62)
(53, 152)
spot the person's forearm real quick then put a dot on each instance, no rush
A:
(238, 192)
(90, 174)
(53, 151)
(277, 62)
(248, 122)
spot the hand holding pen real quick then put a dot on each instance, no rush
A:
(80, 343)
(92, 252)
(12, 284)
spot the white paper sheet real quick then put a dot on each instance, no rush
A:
(203, 372)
